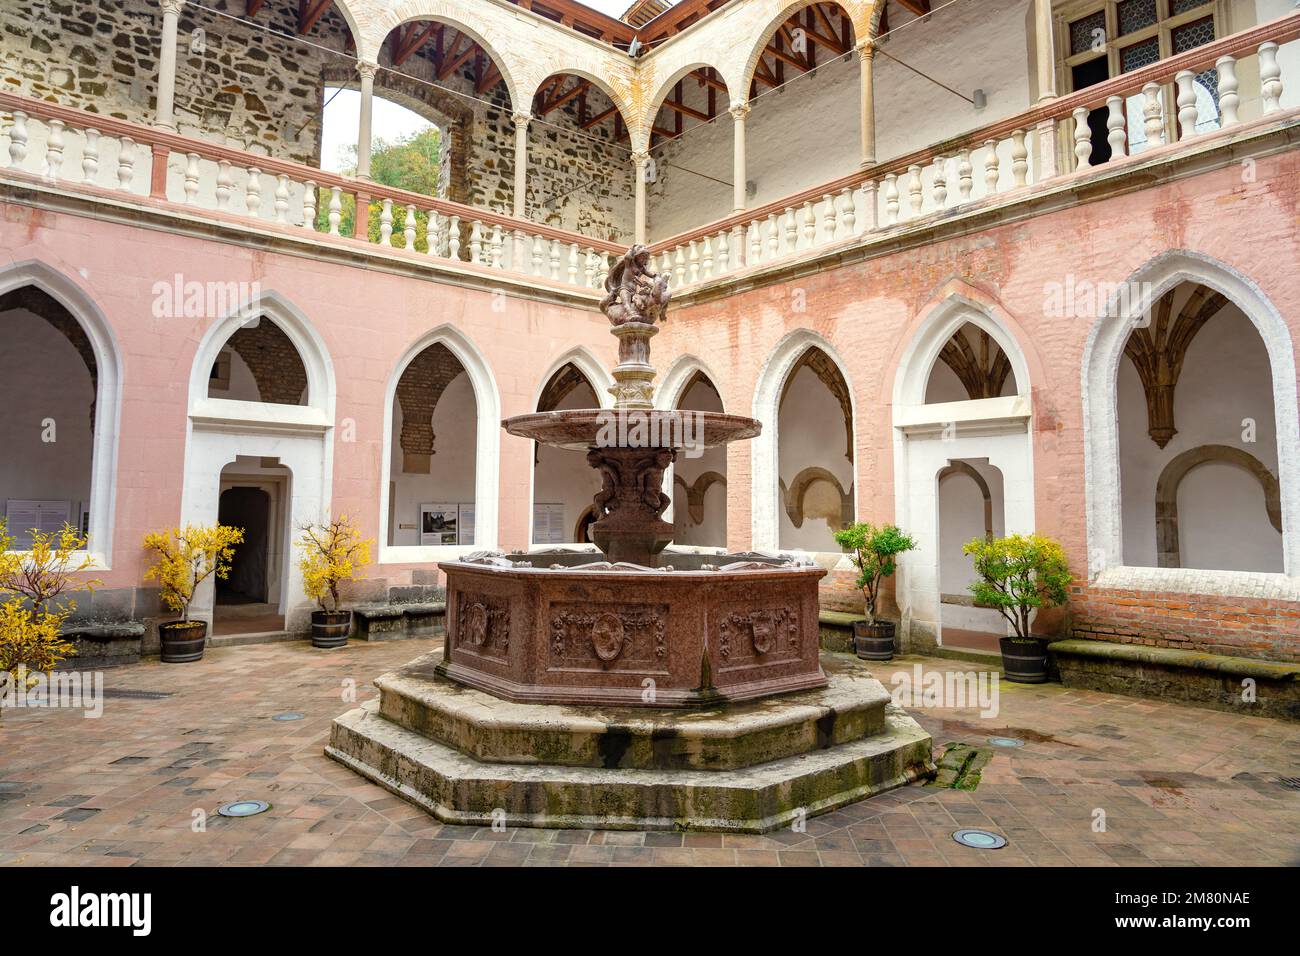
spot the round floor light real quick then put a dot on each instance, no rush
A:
(980, 839)
(1006, 742)
(288, 715)
(243, 808)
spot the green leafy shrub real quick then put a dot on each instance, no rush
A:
(875, 553)
(1019, 574)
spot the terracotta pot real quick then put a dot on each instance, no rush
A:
(182, 641)
(1024, 662)
(874, 642)
(330, 628)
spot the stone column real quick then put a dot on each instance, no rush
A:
(165, 117)
(1045, 44)
(367, 73)
(642, 159)
(866, 71)
(738, 113)
(521, 163)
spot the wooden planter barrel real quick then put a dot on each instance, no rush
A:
(330, 628)
(1024, 662)
(182, 641)
(874, 642)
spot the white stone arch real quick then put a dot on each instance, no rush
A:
(487, 31)
(672, 388)
(585, 361)
(917, 362)
(322, 391)
(927, 440)
(108, 391)
(861, 14)
(1100, 372)
(765, 472)
(487, 464)
(734, 97)
(299, 437)
(622, 100)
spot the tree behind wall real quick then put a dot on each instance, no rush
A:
(411, 162)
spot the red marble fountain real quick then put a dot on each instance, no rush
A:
(630, 691)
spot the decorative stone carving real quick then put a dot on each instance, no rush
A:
(578, 633)
(482, 625)
(633, 293)
(764, 631)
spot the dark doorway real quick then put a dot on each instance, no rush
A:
(1089, 74)
(250, 509)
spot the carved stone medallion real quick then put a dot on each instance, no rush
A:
(607, 637)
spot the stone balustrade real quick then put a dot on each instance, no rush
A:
(1013, 154)
(73, 149)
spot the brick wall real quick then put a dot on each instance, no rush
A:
(418, 391)
(275, 363)
(1243, 627)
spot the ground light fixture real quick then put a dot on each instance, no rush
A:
(243, 808)
(288, 715)
(1006, 742)
(980, 839)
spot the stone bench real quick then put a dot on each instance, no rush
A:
(395, 622)
(836, 630)
(98, 644)
(1169, 673)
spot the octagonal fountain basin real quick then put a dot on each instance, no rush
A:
(610, 633)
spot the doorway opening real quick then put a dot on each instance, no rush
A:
(253, 495)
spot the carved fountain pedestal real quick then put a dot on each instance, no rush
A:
(626, 693)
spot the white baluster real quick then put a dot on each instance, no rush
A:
(225, 184)
(538, 255)
(126, 164)
(573, 263)
(992, 167)
(453, 238)
(1270, 77)
(589, 267)
(848, 214)
(724, 253)
(18, 140)
(706, 257)
(915, 196)
(679, 266)
(497, 246)
(282, 199)
(476, 242)
(940, 185)
(1116, 119)
(694, 259)
(1229, 100)
(809, 225)
(1082, 139)
(1188, 114)
(191, 178)
(555, 259)
(1153, 113)
(830, 220)
(870, 217)
(54, 149)
(965, 175)
(90, 157)
(755, 243)
(602, 277)
(789, 221)
(253, 191)
(773, 237)
(891, 199)
(408, 227)
(1019, 158)
(309, 197)
(432, 237)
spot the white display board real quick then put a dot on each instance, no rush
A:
(548, 523)
(439, 523)
(466, 529)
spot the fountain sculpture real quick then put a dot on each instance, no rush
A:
(630, 692)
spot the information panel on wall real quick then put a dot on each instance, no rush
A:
(548, 523)
(439, 523)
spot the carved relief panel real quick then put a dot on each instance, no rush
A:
(624, 637)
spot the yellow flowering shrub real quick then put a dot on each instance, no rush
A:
(186, 557)
(331, 553)
(30, 639)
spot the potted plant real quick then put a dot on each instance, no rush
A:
(875, 553)
(331, 553)
(186, 557)
(1019, 574)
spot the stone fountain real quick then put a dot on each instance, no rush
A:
(634, 691)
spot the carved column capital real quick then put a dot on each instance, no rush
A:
(866, 49)
(367, 70)
(641, 157)
(521, 119)
(171, 6)
(738, 113)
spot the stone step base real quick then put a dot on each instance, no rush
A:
(486, 728)
(457, 789)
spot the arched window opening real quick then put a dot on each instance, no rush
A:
(971, 366)
(563, 483)
(700, 484)
(259, 363)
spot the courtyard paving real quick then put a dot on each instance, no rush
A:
(1178, 786)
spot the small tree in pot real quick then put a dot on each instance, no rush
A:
(331, 553)
(185, 558)
(875, 553)
(1019, 574)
